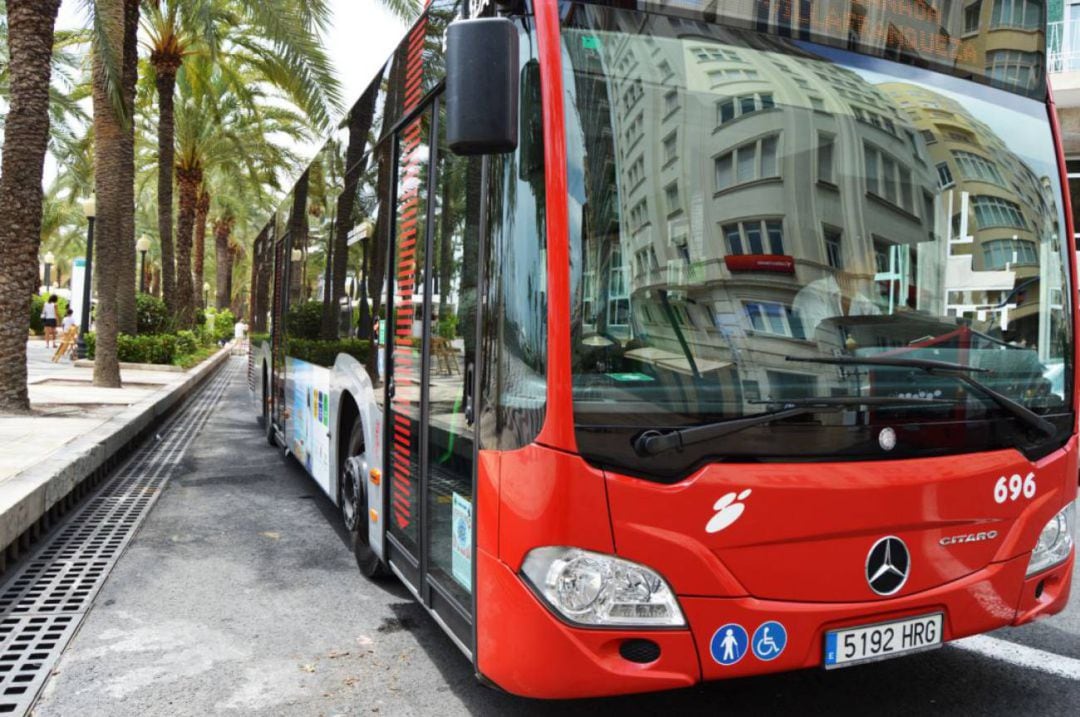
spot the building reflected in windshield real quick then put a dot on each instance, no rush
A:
(747, 201)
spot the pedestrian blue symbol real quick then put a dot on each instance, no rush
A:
(769, 641)
(729, 644)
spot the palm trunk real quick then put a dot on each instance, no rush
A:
(298, 230)
(360, 121)
(166, 68)
(222, 230)
(126, 270)
(109, 133)
(188, 180)
(31, 24)
(202, 208)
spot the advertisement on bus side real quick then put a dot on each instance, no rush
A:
(309, 418)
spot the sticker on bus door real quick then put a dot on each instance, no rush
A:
(309, 418)
(461, 541)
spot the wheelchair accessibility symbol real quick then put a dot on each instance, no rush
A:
(769, 640)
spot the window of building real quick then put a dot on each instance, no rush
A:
(671, 102)
(671, 195)
(645, 260)
(714, 54)
(1023, 14)
(665, 70)
(747, 163)
(618, 290)
(888, 179)
(671, 148)
(636, 171)
(756, 236)
(974, 166)
(928, 136)
(682, 248)
(971, 17)
(817, 104)
(833, 252)
(733, 107)
(997, 212)
(998, 253)
(735, 74)
(770, 317)
(785, 386)
(639, 215)
(1014, 68)
(825, 151)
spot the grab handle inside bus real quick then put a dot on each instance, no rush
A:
(482, 86)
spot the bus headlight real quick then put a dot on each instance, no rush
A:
(1055, 541)
(596, 590)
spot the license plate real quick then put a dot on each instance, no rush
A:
(881, 641)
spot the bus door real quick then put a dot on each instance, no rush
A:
(430, 434)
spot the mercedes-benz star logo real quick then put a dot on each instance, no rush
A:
(887, 566)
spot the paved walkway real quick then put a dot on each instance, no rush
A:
(67, 406)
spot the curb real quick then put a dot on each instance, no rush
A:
(28, 499)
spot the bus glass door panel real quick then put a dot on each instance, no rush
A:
(277, 349)
(405, 334)
(451, 362)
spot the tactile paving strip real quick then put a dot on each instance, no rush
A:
(45, 599)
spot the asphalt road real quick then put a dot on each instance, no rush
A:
(239, 595)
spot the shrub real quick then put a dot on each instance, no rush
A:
(258, 338)
(324, 353)
(151, 315)
(224, 323)
(91, 342)
(186, 342)
(151, 348)
(37, 304)
(304, 321)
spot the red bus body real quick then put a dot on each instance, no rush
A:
(789, 558)
(784, 543)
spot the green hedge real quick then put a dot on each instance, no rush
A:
(183, 348)
(257, 339)
(324, 353)
(304, 321)
(151, 315)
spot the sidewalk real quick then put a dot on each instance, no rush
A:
(75, 429)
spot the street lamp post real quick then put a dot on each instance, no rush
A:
(90, 210)
(49, 261)
(142, 246)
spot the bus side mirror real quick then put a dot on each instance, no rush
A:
(482, 86)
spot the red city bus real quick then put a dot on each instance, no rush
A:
(652, 343)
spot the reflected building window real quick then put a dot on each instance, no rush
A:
(770, 317)
(1013, 252)
(747, 163)
(997, 212)
(1019, 14)
(760, 236)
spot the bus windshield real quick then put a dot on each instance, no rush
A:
(743, 205)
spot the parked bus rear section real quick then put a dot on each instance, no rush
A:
(672, 342)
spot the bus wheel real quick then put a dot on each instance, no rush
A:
(268, 424)
(353, 500)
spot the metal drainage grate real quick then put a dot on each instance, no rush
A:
(46, 598)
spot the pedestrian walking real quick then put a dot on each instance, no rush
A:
(50, 316)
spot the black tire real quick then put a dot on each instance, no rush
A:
(268, 424)
(352, 495)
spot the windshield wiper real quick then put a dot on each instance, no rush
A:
(652, 442)
(949, 369)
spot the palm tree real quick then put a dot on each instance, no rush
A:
(26, 136)
(110, 136)
(222, 139)
(278, 37)
(125, 248)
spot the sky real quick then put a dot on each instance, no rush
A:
(361, 38)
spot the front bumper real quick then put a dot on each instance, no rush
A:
(526, 650)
